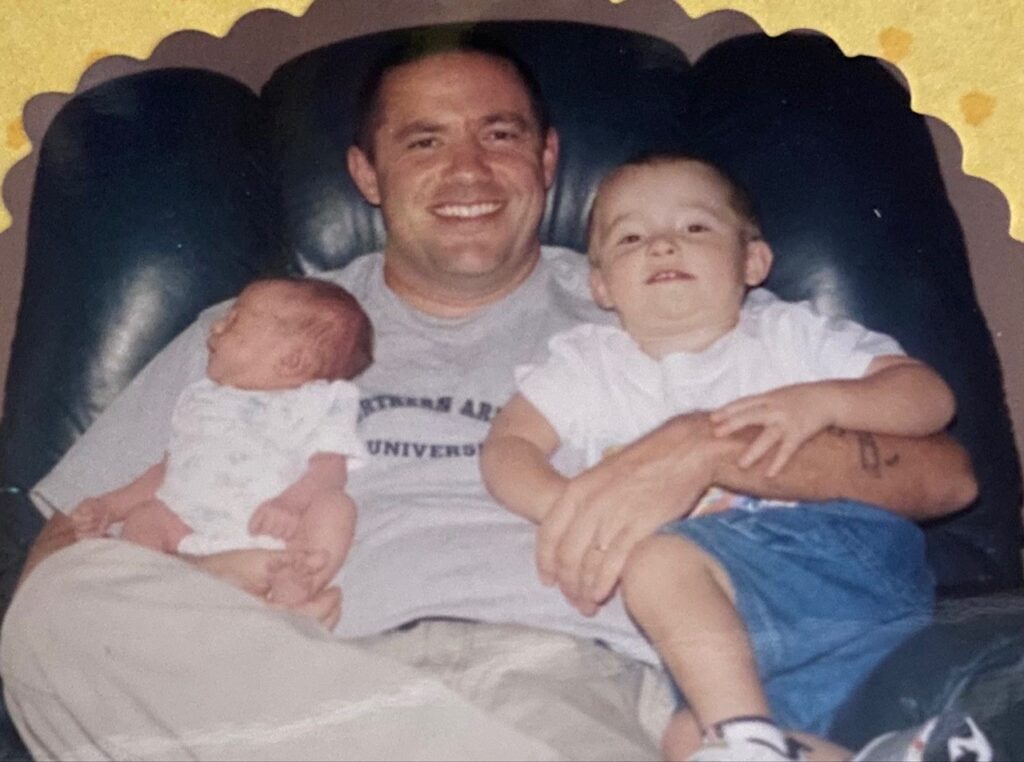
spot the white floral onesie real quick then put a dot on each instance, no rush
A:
(233, 449)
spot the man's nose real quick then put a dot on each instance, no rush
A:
(468, 159)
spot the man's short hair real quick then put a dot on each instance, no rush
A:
(425, 43)
(739, 200)
(328, 318)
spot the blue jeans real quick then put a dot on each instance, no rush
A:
(826, 591)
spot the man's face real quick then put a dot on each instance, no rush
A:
(460, 171)
(670, 250)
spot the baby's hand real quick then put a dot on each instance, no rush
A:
(275, 519)
(91, 518)
(790, 416)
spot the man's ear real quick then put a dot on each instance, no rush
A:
(759, 262)
(599, 290)
(363, 174)
(549, 157)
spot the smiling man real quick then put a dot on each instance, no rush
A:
(449, 646)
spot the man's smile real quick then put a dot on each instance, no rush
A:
(467, 211)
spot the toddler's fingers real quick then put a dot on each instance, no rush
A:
(787, 448)
(761, 445)
(736, 406)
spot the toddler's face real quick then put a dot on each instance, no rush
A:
(668, 246)
(249, 347)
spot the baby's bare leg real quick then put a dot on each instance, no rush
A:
(324, 535)
(154, 525)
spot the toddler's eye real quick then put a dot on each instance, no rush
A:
(697, 227)
(628, 239)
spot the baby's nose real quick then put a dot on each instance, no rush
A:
(663, 245)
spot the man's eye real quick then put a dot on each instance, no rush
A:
(502, 135)
(418, 143)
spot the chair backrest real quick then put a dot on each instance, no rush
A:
(163, 192)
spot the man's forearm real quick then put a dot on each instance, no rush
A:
(920, 478)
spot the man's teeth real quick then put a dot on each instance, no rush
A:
(468, 210)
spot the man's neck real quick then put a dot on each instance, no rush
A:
(455, 297)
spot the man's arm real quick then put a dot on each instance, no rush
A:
(659, 477)
(897, 395)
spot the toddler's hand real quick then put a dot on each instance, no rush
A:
(91, 518)
(274, 519)
(789, 416)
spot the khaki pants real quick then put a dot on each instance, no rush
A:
(110, 651)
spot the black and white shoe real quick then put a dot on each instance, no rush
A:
(949, 737)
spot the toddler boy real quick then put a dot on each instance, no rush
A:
(806, 598)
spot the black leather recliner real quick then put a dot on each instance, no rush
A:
(163, 192)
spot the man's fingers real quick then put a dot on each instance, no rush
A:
(549, 536)
(613, 562)
(592, 561)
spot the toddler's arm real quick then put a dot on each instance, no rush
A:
(93, 516)
(897, 395)
(515, 460)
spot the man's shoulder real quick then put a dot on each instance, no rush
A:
(357, 276)
(568, 273)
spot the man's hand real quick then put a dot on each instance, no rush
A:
(789, 416)
(584, 541)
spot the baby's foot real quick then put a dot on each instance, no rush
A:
(296, 580)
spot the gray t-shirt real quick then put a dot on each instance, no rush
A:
(430, 541)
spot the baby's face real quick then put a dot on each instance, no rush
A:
(249, 348)
(669, 248)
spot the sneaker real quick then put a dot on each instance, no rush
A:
(949, 737)
(745, 739)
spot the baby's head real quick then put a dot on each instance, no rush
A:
(674, 245)
(282, 333)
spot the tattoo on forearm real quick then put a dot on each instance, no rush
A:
(870, 458)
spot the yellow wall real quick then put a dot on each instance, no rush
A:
(963, 58)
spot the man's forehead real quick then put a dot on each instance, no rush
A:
(486, 83)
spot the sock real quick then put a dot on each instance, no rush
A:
(750, 730)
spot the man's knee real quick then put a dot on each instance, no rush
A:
(39, 610)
